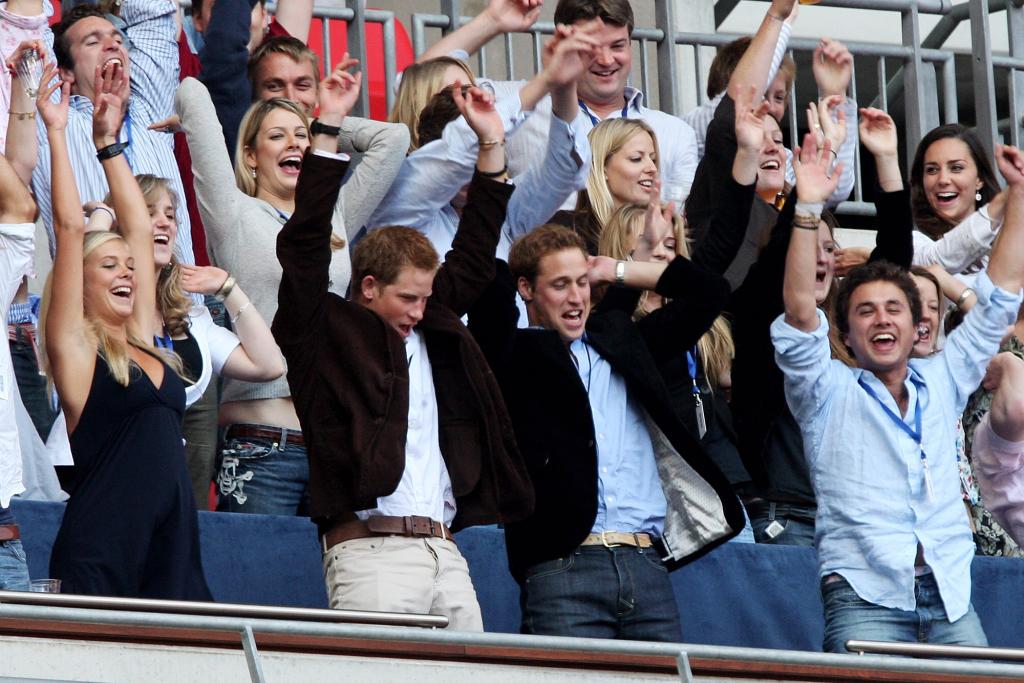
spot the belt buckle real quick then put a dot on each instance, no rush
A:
(420, 526)
(606, 543)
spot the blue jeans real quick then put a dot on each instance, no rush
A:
(797, 522)
(259, 477)
(849, 617)
(13, 566)
(599, 592)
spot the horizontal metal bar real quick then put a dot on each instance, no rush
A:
(509, 640)
(183, 607)
(1007, 62)
(1005, 654)
(923, 6)
(808, 45)
(856, 209)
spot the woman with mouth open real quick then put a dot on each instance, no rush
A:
(624, 169)
(263, 459)
(206, 349)
(130, 527)
(752, 254)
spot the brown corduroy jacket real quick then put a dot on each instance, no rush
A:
(348, 374)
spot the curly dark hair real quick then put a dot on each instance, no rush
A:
(875, 271)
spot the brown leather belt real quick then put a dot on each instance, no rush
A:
(613, 539)
(9, 532)
(380, 525)
(282, 436)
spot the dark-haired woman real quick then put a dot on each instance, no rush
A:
(956, 200)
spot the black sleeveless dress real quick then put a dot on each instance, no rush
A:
(130, 528)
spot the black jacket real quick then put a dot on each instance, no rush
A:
(551, 415)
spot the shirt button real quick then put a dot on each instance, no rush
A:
(611, 499)
(600, 436)
(604, 470)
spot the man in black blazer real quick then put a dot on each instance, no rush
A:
(623, 492)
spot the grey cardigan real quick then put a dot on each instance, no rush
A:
(241, 231)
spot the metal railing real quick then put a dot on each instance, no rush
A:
(247, 628)
(929, 651)
(913, 58)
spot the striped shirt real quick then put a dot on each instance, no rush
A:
(150, 35)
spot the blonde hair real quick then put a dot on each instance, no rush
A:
(114, 351)
(715, 348)
(249, 130)
(171, 300)
(420, 82)
(607, 138)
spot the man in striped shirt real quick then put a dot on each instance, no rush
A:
(143, 41)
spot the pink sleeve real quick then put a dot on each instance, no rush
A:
(999, 467)
(15, 28)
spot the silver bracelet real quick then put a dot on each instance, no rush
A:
(241, 310)
(103, 208)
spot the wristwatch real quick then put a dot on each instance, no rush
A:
(317, 128)
(620, 272)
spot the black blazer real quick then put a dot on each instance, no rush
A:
(551, 415)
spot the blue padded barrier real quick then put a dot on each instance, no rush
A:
(740, 594)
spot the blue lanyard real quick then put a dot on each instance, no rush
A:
(594, 120)
(914, 433)
(691, 367)
(282, 214)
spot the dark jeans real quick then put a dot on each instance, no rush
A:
(31, 384)
(797, 522)
(598, 592)
(259, 477)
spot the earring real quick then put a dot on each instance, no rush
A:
(252, 170)
(977, 196)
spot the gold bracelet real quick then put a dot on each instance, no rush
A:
(487, 144)
(225, 289)
(806, 222)
(22, 115)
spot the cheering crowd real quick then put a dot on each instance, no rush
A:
(624, 336)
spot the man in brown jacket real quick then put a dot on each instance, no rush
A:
(407, 433)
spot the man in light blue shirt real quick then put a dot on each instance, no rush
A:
(894, 546)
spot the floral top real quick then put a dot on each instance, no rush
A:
(14, 28)
(989, 537)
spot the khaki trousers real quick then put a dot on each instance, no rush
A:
(405, 575)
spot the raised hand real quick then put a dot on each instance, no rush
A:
(511, 16)
(110, 90)
(657, 225)
(820, 122)
(849, 258)
(750, 113)
(810, 164)
(54, 115)
(12, 59)
(202, 279)
(600, 270)
(477, 107)
(833, 67)
(340, 90)
(569, 54)
(1011, 164)
(878, 132)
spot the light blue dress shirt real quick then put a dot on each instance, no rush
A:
(421, 195)
(867, 472)
(629, 493)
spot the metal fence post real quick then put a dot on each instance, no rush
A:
(914, 85)
(668, 94)
(357, 49)
(984, 78)
(1015, 29)
(453, 8)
